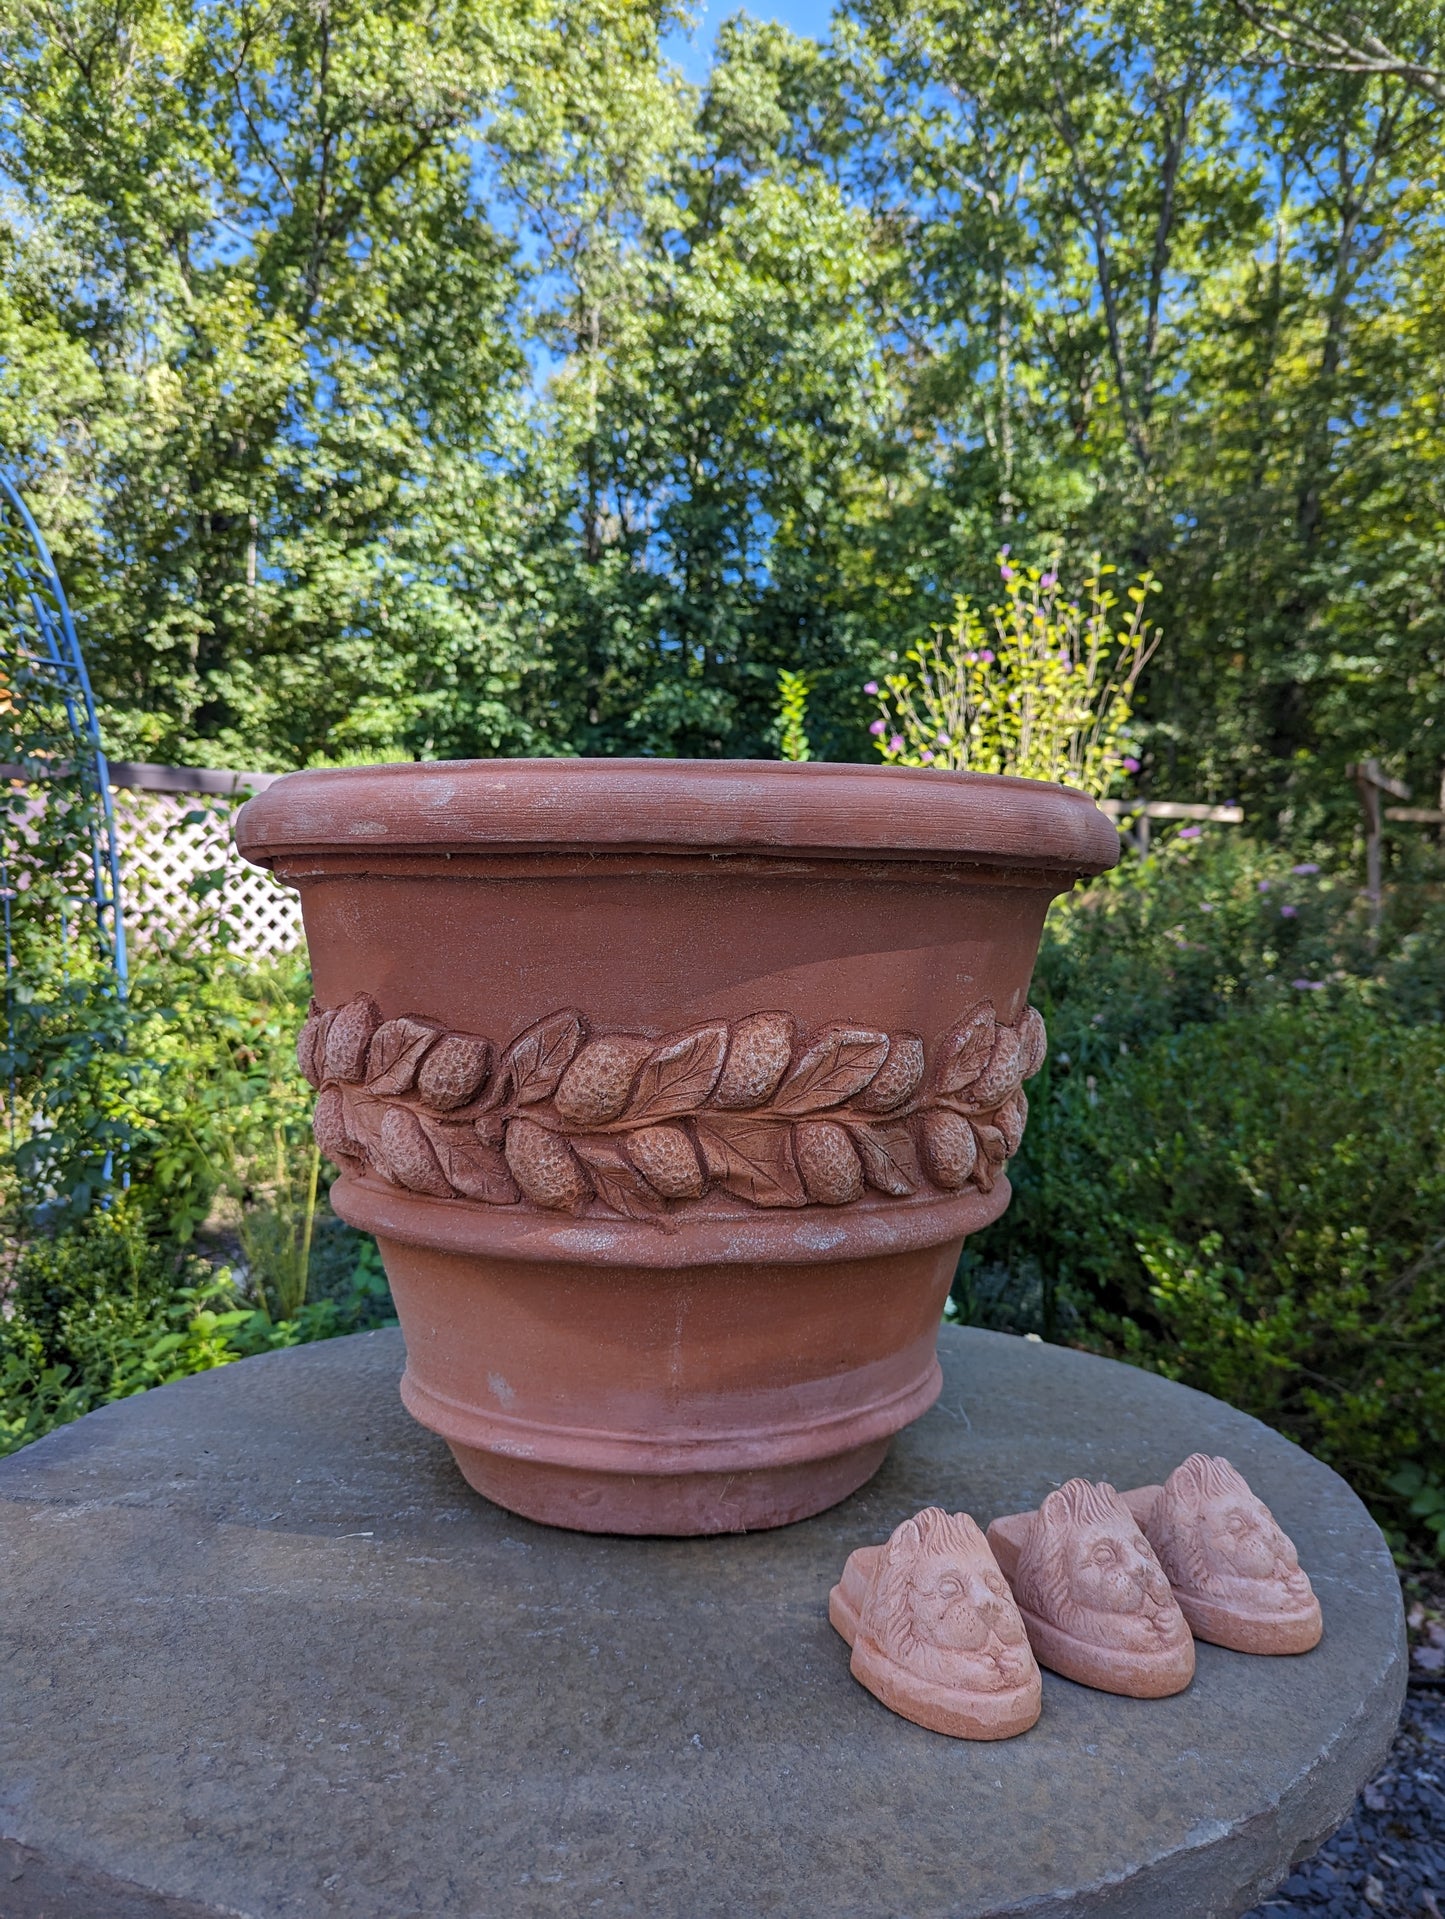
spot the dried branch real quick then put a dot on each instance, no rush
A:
(1321, 49)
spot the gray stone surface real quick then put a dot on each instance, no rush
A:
(263, 1653)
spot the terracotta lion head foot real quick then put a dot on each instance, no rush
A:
(1235, 1573)
(1092, 1594)
(935, 1633)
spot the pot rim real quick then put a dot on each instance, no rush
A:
(717, 806)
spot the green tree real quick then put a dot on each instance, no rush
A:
(403, 382)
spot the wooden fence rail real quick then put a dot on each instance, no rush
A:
(177, 860)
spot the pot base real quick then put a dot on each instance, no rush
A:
(618, 1378)
(671, 1504)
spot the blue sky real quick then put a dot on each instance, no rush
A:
(694, 56)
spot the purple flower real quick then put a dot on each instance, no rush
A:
(1049, 581)
(1005, 551)
(1206, 906)
(986, 657)
(1006, 572)
(927, 756)
(1288, 912)
(1264, 886)
(1306, 866)
(1131, 765)
(1308, 985)
(895, 745)
(944, 740)
(877, 728)
(871, 686)
(1189, 833)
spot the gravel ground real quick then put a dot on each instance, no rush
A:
(1387, 1861)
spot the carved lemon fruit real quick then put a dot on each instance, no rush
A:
(349, 1036)
(328, 1123)
(950, 1151)
(453, 1071)
(1033, 1042)
(1010, 1119)
(667, 1160)
(897, 1078)
(406, 1155)
(831, 1169)
(1003, 1072)
(758, 1056)
(311, 1045)
(595, 1086)
(546, 1168)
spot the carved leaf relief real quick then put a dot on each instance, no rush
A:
(619, 1184)
(475, 1169)
(889, 1159)
(838, 1064)
(680, 1074)
(398, 1047)
(965, 1051)
(537, 1059)
(752, 1158)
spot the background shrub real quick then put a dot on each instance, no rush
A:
(1234, 1172)
(96, 1311)
(161, 1201)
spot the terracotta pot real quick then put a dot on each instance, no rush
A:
(670, 1090)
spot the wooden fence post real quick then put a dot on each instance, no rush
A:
(1371, 781)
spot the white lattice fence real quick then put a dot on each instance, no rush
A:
(180, 871)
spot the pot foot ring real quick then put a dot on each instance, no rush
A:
(671, 1505)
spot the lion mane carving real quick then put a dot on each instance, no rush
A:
(941, 1608)
(1234, 1570)
(1087, 1570)
(935, 1632)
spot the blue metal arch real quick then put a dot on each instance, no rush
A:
(55, 660)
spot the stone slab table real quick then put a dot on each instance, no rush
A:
(262, 1653)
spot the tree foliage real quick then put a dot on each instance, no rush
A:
(430, 381)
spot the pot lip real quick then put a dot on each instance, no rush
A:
(713, 806)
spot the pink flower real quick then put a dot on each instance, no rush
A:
(1131, 765)
(1306, 866)
(986, 658)
(878, 727)
(1288, 912)
(927, 756)
(1190, 833)
(895, 745)
(871, 686)
(944, 740)
(1308, 985)
(1049, 581)
(1006, 572)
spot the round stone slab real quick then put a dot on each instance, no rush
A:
(262, 1653)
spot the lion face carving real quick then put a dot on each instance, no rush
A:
(1218, 1540)
(941, 1609)
(1086, 1568)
